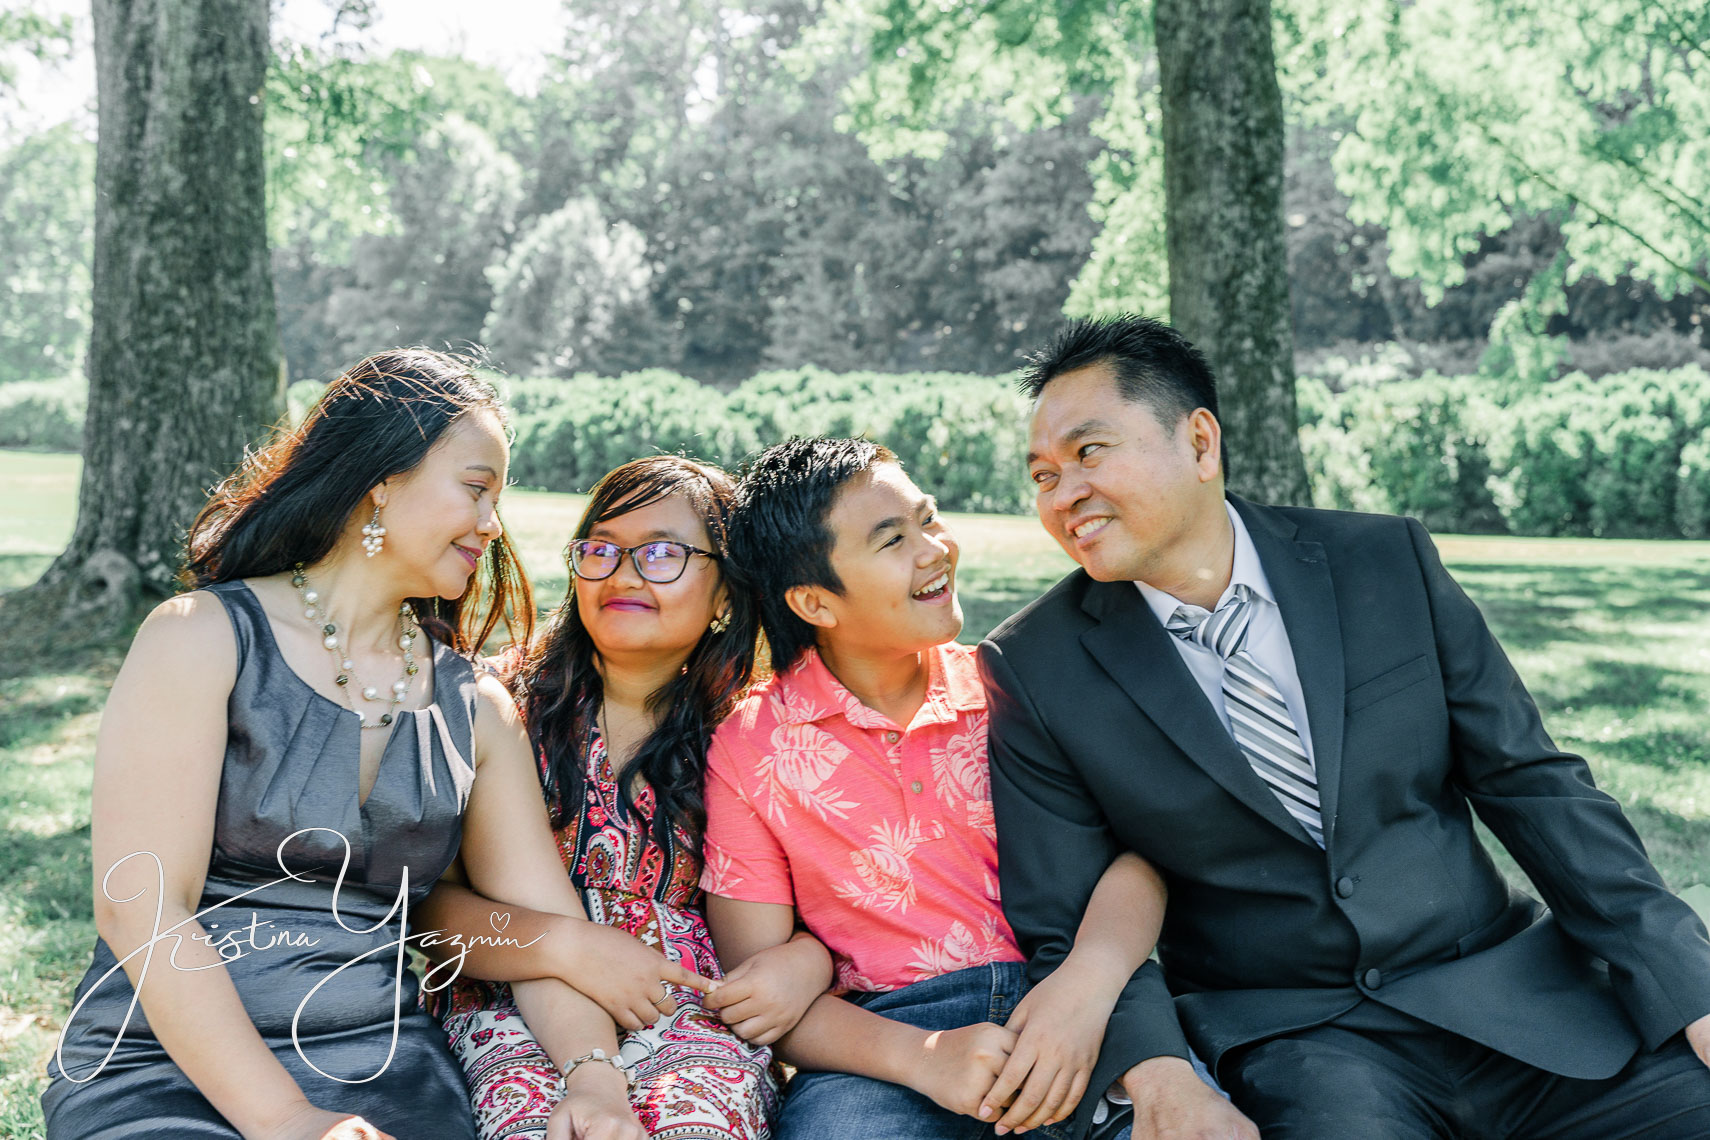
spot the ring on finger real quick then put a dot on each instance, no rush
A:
(664, 993)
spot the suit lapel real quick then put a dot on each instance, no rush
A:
(1140, 655)
(1300, 579)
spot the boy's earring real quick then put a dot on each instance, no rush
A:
(720, 623)
(374, 535)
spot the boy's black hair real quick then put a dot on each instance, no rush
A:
(778, 532)
(1154, 365)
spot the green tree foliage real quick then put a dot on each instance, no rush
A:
(1467, 116)
(1027, 61)
(47, 212)
(28, 32)
(425, 282)
(572, 296)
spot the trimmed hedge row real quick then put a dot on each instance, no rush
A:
(962, 437)
(1623, 456)
(1626, 455)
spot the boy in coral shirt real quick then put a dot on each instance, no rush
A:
(850, 796)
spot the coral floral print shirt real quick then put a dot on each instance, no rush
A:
(880, 836)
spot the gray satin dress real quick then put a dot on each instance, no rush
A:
(288, 794)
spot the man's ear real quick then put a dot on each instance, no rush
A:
(809, 604)
(1205, 436)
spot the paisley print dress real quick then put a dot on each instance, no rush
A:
(694, 1078)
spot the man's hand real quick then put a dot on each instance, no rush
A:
(958, 1066)
(762, 999)
(1698, 1036)
(1172, 1103)
(1061, 1025)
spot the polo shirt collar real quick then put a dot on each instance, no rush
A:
(813, 693)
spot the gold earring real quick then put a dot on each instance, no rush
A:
(720, 623)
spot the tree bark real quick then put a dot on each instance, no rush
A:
(183, 363)
(1223, 203)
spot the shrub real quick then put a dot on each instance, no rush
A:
(1415, 447)
(43, 415)
(597, 423)
(1624, 455)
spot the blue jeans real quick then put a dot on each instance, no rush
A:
(842, 1106)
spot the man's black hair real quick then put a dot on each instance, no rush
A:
(778, 532)
(1154, 365)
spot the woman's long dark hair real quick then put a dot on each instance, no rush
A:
(558, 679)
(290, 500)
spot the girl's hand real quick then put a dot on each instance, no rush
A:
(595, 1107)
(762, 999)
(1060, 1024)
(623, 977)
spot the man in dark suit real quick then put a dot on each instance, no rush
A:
(1294, 715)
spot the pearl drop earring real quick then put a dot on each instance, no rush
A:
(374, 535)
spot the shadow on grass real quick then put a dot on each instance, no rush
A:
(49, 876)
(1626, 687)
(1679, 848)
(27, 721)
(988, 599)
(1532, 607)
(1666, 750)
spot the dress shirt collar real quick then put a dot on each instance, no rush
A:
(1248, 571)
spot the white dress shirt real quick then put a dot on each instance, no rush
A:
(1267, 638)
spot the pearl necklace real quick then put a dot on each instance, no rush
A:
(346, 667)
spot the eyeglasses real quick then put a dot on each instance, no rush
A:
(658, 562)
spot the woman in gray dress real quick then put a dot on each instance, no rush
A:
(291, 755)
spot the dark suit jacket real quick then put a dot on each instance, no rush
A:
(1101, 741)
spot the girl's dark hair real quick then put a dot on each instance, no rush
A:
(289, 501)
(559, 685)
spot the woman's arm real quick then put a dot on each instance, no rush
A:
(158, 757)
(511, 858)
(1061, 1021)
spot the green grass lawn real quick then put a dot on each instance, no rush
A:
(1612, 637)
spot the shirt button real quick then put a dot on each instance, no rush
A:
(1373, 979)
(915, 787)
(1345, 887)
(891, 738)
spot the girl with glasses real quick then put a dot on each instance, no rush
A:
(650, 649)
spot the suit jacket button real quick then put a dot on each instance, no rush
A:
(1345, 887)
(1373, 979)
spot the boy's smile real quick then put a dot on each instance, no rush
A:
(897, 562)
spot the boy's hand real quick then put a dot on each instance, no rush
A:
(958, 1066)
(1061, 1026)
(628, 980)
(762, 999)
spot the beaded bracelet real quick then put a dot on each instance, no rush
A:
(601, 1056)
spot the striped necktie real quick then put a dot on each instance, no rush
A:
(1257, 712)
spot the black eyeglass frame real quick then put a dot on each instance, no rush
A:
(634, 553)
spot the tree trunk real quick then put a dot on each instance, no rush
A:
(1223, 190)
(183, 363)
